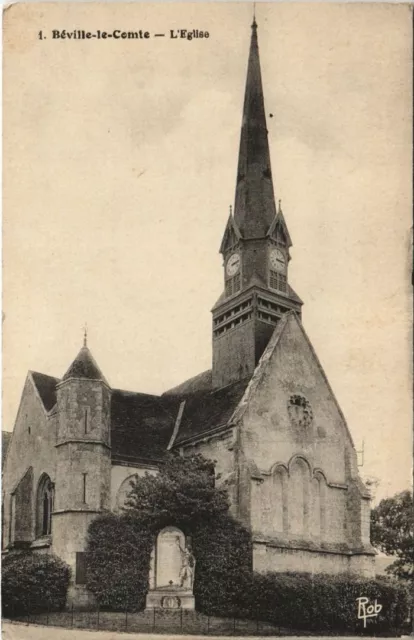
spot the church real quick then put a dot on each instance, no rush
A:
(265, 412)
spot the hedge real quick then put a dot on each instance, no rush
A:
(325, 603)
(33, 583)
(118, 562)
(223, 553)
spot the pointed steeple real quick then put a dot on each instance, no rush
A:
(254, 208)
(84, 365)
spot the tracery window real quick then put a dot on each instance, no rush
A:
(45, 493)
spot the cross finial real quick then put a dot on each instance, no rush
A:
(280, 206)
(85, 335)
(231, 210)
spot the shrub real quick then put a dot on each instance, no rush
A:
(118, 561)
(33, 583)
(326, 602)
(223, 553)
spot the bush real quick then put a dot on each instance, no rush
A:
(33, 583)
(223, 553)
(326, 602)
(118, 561)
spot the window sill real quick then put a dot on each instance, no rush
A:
(39, 543)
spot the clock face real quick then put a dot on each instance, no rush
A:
(233, 264)
(278, 260)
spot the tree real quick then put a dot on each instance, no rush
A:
(392, 531)
(183, 493)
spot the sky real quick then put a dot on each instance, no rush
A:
(120, 162)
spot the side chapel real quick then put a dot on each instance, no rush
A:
(265, 412)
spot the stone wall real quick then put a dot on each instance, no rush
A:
(221, 449)
(272, 558)
(32, 445)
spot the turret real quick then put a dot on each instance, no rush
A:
(83, 455)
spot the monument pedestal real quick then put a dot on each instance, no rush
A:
(170, 599)
(171, 574)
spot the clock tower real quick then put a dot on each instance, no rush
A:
(255, 249)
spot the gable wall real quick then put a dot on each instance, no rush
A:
(268, 435)
(272, 443)
(35, 449)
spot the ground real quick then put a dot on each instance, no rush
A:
(15, 631)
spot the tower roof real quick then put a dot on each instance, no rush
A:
(84, 366)
(255, 207)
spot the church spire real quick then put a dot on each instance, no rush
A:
(254, 208)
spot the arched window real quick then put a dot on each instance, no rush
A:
(44, 506)
(318, 505)
(279, 500)
(124, 491)
(299, 481)
(316, 508)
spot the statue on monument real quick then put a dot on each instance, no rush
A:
(187, 566)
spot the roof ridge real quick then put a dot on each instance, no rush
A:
(141, 393)
(46, 375)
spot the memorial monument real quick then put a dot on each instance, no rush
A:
(172, 571)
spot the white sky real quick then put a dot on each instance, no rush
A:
(119, 168)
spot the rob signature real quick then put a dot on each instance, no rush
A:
(366, 610)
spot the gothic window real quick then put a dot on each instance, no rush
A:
(44, 506)
(124, 491)
(277, 281)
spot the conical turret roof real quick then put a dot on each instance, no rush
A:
(84, 366)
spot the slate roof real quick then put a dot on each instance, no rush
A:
(293, 295)
(209, 410)
(84, 366)
(141, 425)
(5, 441)
(46, 387)
(198, 384)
